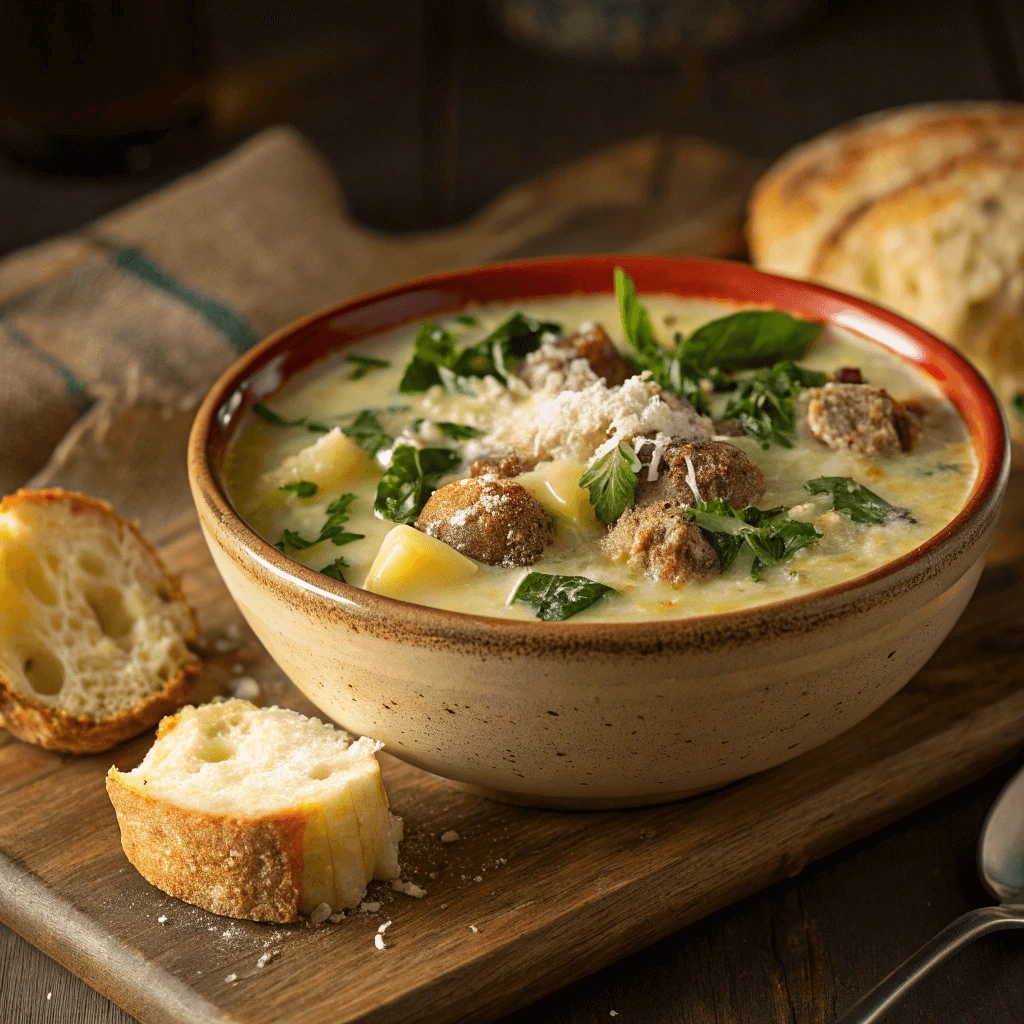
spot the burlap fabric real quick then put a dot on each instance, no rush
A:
(110, 337)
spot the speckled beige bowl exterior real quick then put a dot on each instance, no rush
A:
(592, 714)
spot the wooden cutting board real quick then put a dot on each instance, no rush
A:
(526, 901)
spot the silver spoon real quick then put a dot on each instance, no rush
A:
(1001, 864)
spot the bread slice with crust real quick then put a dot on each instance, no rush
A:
(257, 813)
(807, 197)
(94, 633)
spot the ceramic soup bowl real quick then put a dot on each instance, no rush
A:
(580, 714)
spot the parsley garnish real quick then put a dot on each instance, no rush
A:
(278, 420)
(763, 403)
(334, 569)
(411, 479)
(364, 364)
(857, 502)
(437, 359)
(301, 488)
(1018, 404)
(557, 598)
(743, 340)
(367, 432)
(468, 319)
(770, 534)
(332, 530)
(611, 481)
(458, 431)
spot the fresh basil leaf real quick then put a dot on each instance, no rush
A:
(364, 364)
(334, 570)
(776, 540)
(557, 598)
(293, 541)
(468, 319)
(747, 339)
(268, 414)
(458, 431)
(636, 324)
(1018, 404)
(611, 480)
(857, 502)
(367, 432)
(301, 488)
(410, 480)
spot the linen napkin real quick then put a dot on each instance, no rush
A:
(109, 337)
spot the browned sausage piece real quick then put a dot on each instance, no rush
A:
(492, 520)
(720, 468)
(861, 419)
(659, 541)
(592, 343)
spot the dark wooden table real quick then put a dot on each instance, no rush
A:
(426, 112)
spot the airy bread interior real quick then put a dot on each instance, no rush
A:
(240, 761)
(89, 621)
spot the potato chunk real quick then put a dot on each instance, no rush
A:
(410, 562)
(556, 485)
(333, 459)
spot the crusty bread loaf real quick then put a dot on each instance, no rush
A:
(920, 210)
(807, 196)
(94, 634)
(257, 813)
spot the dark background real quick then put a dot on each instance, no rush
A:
(426, 112)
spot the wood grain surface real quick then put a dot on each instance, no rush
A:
(526, 901)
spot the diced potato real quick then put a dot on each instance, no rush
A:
(556, 485)
(410, 562)
(332, 460)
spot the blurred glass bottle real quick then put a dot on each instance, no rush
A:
(102, 86)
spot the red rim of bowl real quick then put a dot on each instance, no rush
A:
(301, 344)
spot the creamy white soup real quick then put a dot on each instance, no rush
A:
(744, 460)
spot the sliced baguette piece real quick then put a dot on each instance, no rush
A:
(258, 813)
(94, 633)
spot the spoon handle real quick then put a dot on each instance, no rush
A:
(953, 937)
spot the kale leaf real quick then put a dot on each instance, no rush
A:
(411, 478)
(557, 598)
(857, 502)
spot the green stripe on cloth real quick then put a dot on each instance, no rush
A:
(77, 391)
(216, 314)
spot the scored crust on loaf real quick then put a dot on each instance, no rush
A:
(94, 633)
(807, 196)
(257, 813)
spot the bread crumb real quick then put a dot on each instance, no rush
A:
(369, 907)
(451, 836)
(320, 913)
(49, 995)
(267, 957)
(162, 919)
(378, 941)
(237, 669)
(473, 928)
(613, 1013)
(409, 888)
(433, 874)
(230, 978)
(479, 878)
(384, 927)
(336, 918)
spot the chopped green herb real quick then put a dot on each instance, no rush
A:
(334, 569)
(410, 480)
(301, 488)
(611, 480)
(743, 340)
(857, 502)
(437, 360)
(364, 364)
(1018, 404)
(468, 319)
(942, 467)
(763, 403)
(332, 530)
(557, 598)
(770, 534)
(292, 541)
(270, 416)
(458, 431)
(367, 432)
